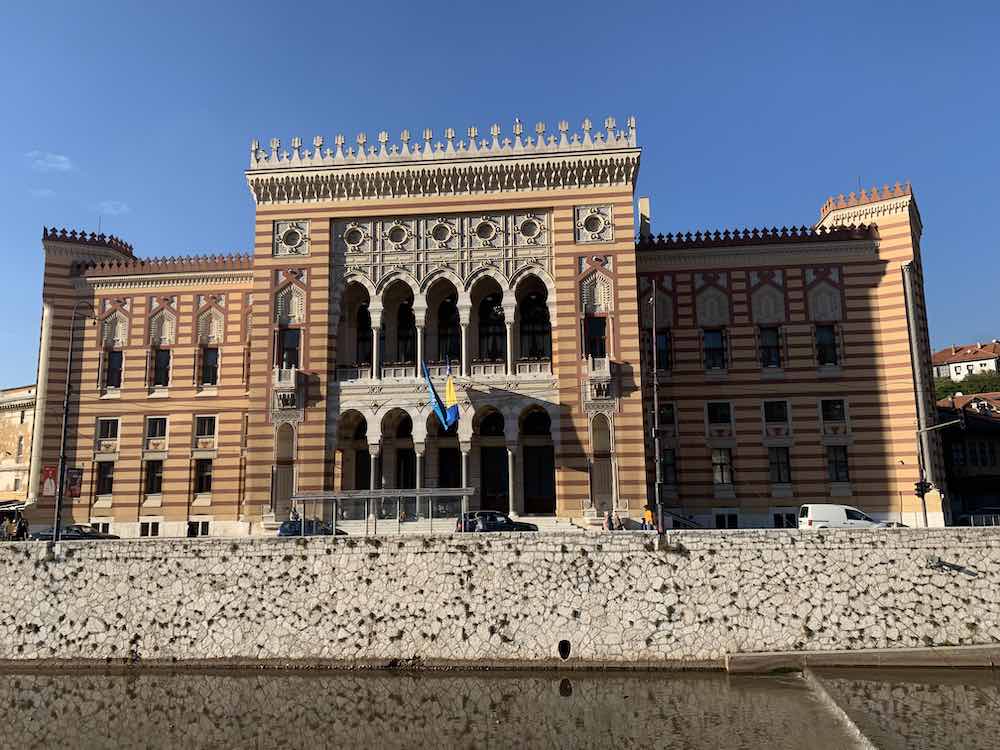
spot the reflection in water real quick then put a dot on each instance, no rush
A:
(265, 709)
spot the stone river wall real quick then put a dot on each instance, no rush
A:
(491, 598)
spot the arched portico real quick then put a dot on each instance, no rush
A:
(537, 462)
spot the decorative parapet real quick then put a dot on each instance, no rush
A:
(182, 264)
(463, 167)
(91, 239)
(755, 236)
(864, 197)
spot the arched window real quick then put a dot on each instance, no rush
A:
(363, 336)
(491, 425)
(492, 335)
(536, 329)
(449, 342)
(406, 334)
(537, 423)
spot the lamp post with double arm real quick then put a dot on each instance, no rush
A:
(61, 486)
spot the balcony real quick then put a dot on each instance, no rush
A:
(601, 386)
(399, 370)
(440, 369)
(286, 399)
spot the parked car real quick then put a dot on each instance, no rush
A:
(824, 516)
(492, 520)
(313, 528)
(73, 532)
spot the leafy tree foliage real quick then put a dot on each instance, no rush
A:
(981, 382)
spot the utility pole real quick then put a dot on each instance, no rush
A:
(61, 486)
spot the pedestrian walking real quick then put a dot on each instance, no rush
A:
(21, 533)
(618, 525)
(608, 526)
(647, 519)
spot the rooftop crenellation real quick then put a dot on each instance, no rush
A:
(410, 150)
(187, 263)
(86, 238)
(756, 236)
(865, 196)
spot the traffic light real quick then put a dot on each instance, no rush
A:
(922, 487)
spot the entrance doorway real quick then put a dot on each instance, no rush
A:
(493, 478)
(539, 479)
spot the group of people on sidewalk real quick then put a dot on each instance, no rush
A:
(613, 522)
(13, 528)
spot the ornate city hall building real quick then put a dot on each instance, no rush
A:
(206, 391)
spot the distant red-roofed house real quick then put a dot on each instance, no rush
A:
(958, 362)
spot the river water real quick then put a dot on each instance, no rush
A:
(828, 710)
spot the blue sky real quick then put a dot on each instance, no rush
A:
(750, 114)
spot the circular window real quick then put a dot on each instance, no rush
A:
(397, 235)
(354, 236)
(441, 232)
(291, 237)
(530, 228)
(486, 230)
(594, 223)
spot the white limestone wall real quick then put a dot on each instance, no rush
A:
(493, 598)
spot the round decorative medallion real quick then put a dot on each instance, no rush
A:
(530, 229)
(441, 232)
(354, 237)
(397, 234)
(486, 230)
(594, 223)
(291, 237)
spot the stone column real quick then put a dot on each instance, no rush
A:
(374, 451)
(420, 350)
(465, 448)
(418, 450)
(511, 447)
(376, 365)
(465, 350)
(510, 347)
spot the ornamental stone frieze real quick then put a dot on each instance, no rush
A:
(500, 164)
(463, 244)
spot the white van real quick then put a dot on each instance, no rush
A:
(835, 517)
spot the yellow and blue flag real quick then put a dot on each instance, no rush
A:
(447, 410)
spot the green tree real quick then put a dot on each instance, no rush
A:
(981, 382)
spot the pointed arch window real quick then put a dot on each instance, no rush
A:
(363, 336)
(406, 334)
(449, 327)
(492, 331)
(536, 328)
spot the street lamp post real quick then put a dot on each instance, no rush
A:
(657, 458)
(61, 486)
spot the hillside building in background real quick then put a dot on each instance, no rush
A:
(17, 415)
(958, 362)
(792, 365)
(972, 457)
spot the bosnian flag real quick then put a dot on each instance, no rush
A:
(447, 410)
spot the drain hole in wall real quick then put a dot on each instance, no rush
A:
(565, 688)
(564, 650)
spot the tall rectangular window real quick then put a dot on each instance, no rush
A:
(833, 410)
(663, 349)
(209, 366)
(198, 528)
(667, 417)
(105, 477)
(149, 528)
(156, 427)
(154, 477)
(836, 463)
(719, 413)
(595, 336)
(287, 350)
(668, 466)
(776, 412)
(826, 345)
(204, 427)
(113, 369)
(722, 466)
(161, 367)
(779, 465)
(203, 475)
(20, 448)
(770, 347)
(727, 520)
(715, 350)
(107, 429)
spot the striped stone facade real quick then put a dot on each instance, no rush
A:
(512, 261)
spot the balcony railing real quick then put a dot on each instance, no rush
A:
(440, 369)
(600, 380)
(834, 427)
(285, 388)
(360, 371)
(107, 445)
(399, 369)
(533, 366)
(204, 442)
(488, 367)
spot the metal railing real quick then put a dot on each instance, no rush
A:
(387, 511)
